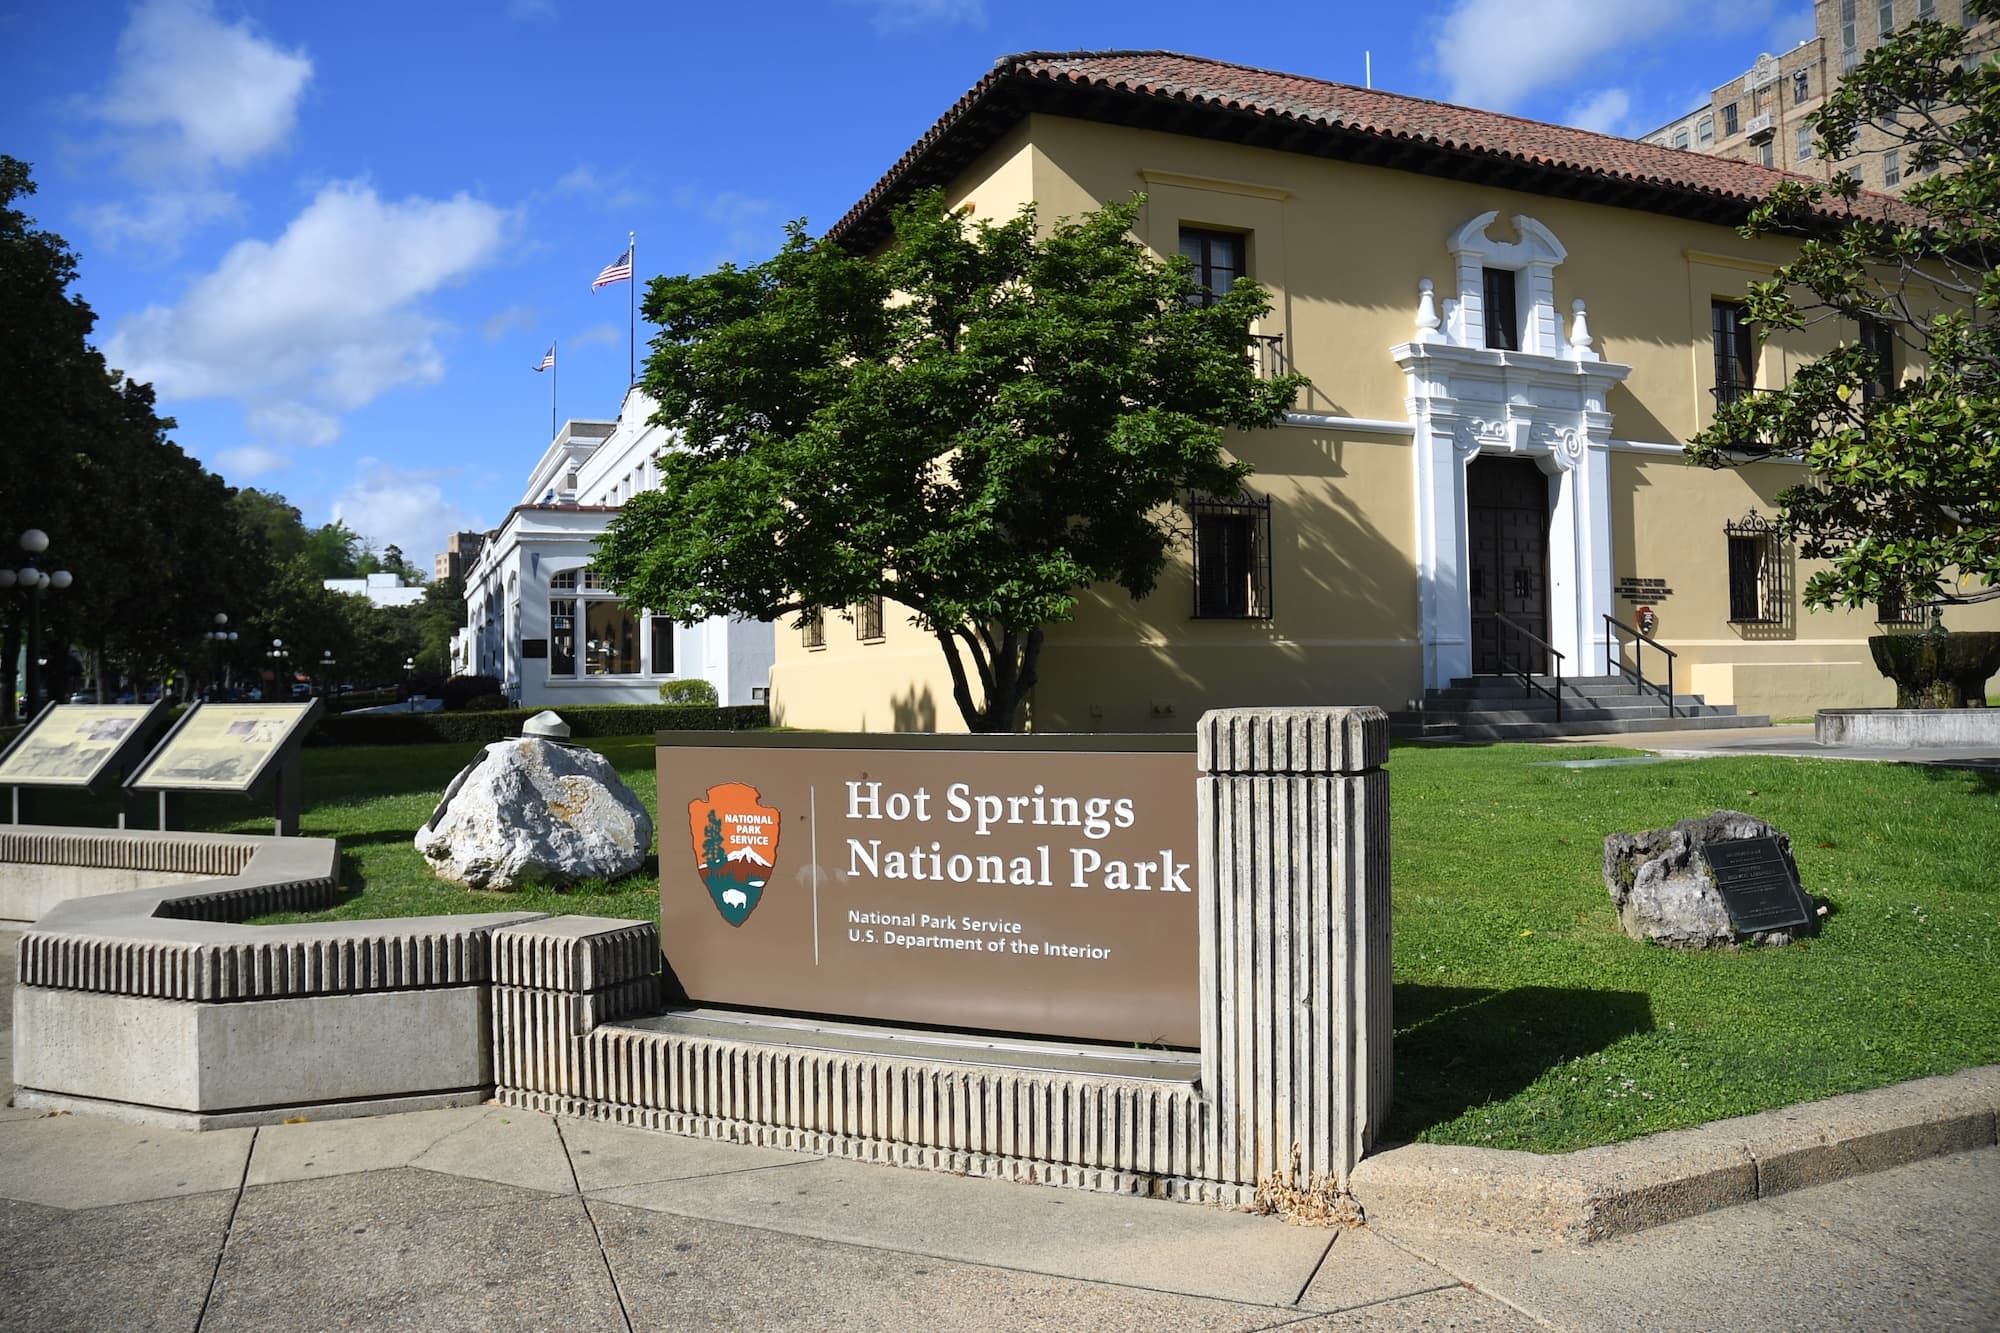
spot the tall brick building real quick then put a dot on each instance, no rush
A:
(1762, 115)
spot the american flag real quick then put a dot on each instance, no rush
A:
(618, 270)
(548, 361)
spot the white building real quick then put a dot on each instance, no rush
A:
(539, 619)
(379, 589)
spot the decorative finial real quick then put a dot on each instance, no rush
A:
(1427, 315)
(1579, 333)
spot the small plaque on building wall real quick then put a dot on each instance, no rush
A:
(1758, 885)
(1647, 591)
(534, 648)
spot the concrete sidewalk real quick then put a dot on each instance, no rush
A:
(1789, 740)
(489, 1218)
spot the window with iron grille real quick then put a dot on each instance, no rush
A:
(868, 618)
(1896, 609)
(1232, 557)
(1880, 339)
(1735, 350)
(1756, 571)
(1219, 258)
(814, 633)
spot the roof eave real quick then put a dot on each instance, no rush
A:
(1010, 93)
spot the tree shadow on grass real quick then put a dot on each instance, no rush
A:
(1983, 780)
(1458, 1047)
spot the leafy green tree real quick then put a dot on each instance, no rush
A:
(978, 423)
(275, 519)
(145, 531)
(336, 551)
(439, 616)
(1899, 432)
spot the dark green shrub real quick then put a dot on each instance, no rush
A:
(456, 691)
(474, 728)
(485, 703)
(682, 692)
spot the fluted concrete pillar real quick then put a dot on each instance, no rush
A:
(1294, 901)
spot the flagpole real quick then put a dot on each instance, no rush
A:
(631, 304)
(555, 369)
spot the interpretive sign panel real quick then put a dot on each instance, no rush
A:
(1018, 884)
(76, 745)
(223, 747)
(1759, 887)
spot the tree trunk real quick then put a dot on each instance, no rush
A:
(10, 653)
(1007, 673)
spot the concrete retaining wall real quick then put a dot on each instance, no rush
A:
(152, 1004)
(1907, 728)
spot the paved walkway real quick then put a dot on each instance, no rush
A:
(493, 1219)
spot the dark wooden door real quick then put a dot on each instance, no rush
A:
(1507, 527)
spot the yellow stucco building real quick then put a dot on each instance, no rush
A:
(1510, 329)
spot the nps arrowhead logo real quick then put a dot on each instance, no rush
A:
(735, 847)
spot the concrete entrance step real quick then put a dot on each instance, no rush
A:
(1534, 730)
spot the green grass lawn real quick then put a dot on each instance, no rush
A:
(1524, 1017)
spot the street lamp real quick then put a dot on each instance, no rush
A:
(32, 579)
(276, 653)
(220, 638)
(326, 671)
(409, 667)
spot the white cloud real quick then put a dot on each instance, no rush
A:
(193, 92)
(237, 466)
(911, 15)
(514, 319)
(293, 423)
(161, 220)
(1498, 53)
(608, 335)
(1605, 111)
(395, 506)
(322, 320)
(744, 220)
(191, 97)
(613, 191)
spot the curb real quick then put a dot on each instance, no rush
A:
(1593, 1194)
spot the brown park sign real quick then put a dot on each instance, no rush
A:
(1013, 884)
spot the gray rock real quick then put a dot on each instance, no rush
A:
(1664, 890)
(535, 812)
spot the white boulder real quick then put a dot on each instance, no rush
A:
(534, 812)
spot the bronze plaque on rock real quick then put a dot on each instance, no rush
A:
(1759, 888)
(1014, 884)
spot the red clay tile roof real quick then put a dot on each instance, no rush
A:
(1241, 104)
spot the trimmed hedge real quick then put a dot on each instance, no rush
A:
(485, 728)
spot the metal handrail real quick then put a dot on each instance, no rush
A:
(1527, 678)
(1615, 666)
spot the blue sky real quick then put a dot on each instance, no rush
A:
(338, 237)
